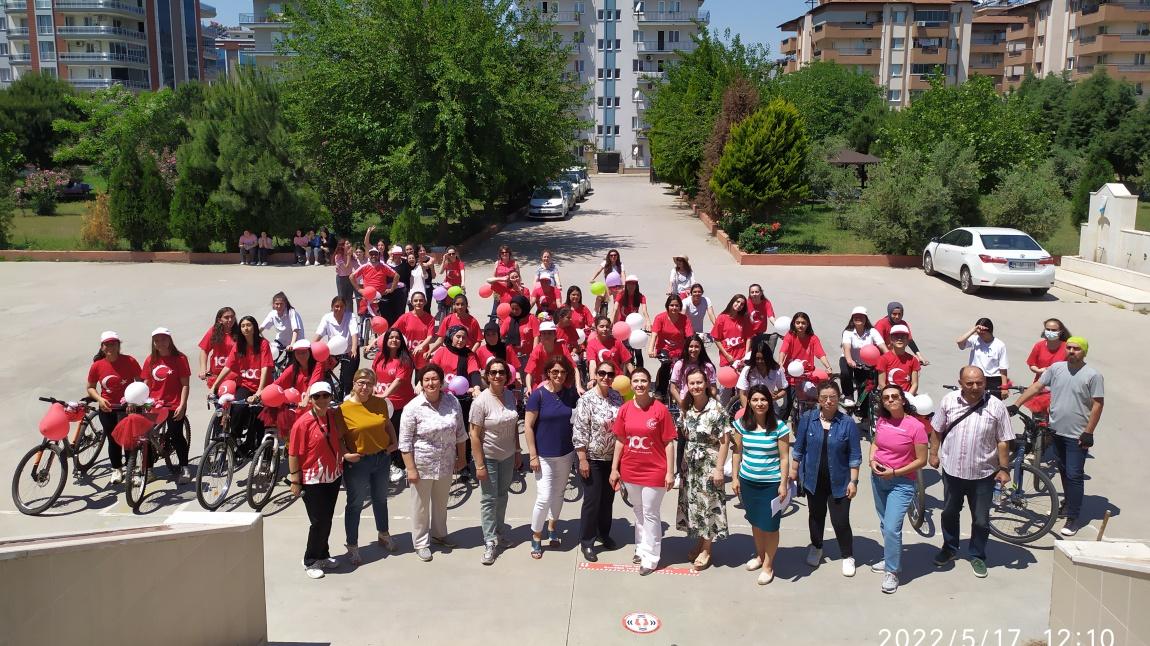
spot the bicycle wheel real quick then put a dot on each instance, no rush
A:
(916, 512)
(211, 431)
(39, 479)
(1023, 514)
(88, 443)
(262, 475)
(215, 474)
(136, 475)
(187, 431)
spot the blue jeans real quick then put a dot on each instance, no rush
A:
(891, 499)
(978, 494)
(1071, 460)
(369, 476)
(493, 499)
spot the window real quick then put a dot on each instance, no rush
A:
(599, 73)
(898, 17)
(3, 49)
(618, 44)
(896, 70)
(951, 70)
(618, 73)
(599, 44)
(617, 102)
(1041, 41)
(616, 129)
(1140, 59)
(1070, 63)
(599, 16)
(1102, 59)
(44, 25)
(634, 123)
(599, 129)
(579, 66)
(933, 16)
(1143, 29)
(580, 8)
(599, 101)
(618, 16)
(636, 36)
(894, 96)
(673, 36)
(897, 43)
(5, 74)
(922, 69)
(1138, 88)
(578, 37)
(47, 50)
(634, 65)
(3, 23)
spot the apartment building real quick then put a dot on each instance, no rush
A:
(899, 44)
(230, 44)
(140, 44)
(268, 24)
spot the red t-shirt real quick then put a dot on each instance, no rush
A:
(548, 299)
(568, 336)
(113, 378)
(217, 352)
(164, 376)
(387, 371)
(625, 307)
(506, 291)
(319, 446)
(474, 334)
(805, 350)
(540, 356)
(884, 325)
(485, 356)
(502, 270)
(760, 315)
(453, 273)
(446, 359)
(528, 330)
(898, 369)
(293, 377)
(246, 368)
(1042, 357)
(373, 275)
(645, 435)
(416, 328)
(610, 351)
(581, 318)
(670, 336)
(733, 334)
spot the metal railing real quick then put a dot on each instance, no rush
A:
(20, 57)
(95, 84)
(102, 57)
(651, 74)
(13, 5)
(262, 19)
(654, 46)
(854, 51)
(562, 17)
(103, 5)
(100, 30)
(675, 16)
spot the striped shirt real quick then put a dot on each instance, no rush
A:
(970, 449)
(760, 461)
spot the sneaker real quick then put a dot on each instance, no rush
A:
(313, 572)
(489, 553)
(889, 583)
(754, 564)
(1070, 528)
(636, 560)
(879, 567)
(397, 474)
(979, 567)
(1062, 509)
(353, 556)
(943, 557)
(117, 476)
(814, 556)
(185, 477)
(443, 542)
(765, 577)
(849, 566)
(327, 564)
(644, 571)
(424, 554)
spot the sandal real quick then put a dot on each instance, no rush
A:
(702, 561)
(536, 548)
(553, 539)
(694, 553)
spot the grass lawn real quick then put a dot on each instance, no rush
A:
(812, 230)
(60, 231)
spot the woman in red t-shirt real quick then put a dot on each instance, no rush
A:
(166, 371)
(1050, 350)
(492, 348)
(461, 316)
(546, 296)
(418, 327)
(520, 328)
(603, 348)
(644, 463)
(507, 287)
(393, 367)
(801, 344)
(631, 301)
(111, 372)
(581, 317)
(251, 362)
(217, 344)
(612, 264)
(669, 333)
(302, 371)
(732, 332)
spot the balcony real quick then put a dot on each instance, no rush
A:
(1020, 56)
(563, 17)
(1020, 32)
(1113, 12)
(651, 74)
(16, 5)
(987, 45)
(650, 17)
(655, 47)
(929, 55)
(249, 19)
(99, 84)
(17, 33)
(851, 30)
(1112, 44)
(789, 46)
(102, 31)
(931, 30)
(88, 6)
(851, 55)
(20, 57)
(105, 58)
(988, 68)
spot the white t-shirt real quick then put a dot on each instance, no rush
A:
(991, 357)
(775, 380)
(697, 315)
(603, 266)
(328, 327)
(551, 272)
(283, 326)
(871, 337)
(682, 282)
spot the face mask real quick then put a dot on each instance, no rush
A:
(1051, 335)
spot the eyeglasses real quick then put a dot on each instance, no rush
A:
(496, 373)
(829, 398)
(361, 383)
(557, 371)
(892, 398)
(605, 373)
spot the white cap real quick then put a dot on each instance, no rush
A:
(900, 329)
(109, 335)
(632, 278)
(318, 387)
(374, 250)
(160, 330)
(396, 249)
(547, 326)
(859, 309)
(300, 345)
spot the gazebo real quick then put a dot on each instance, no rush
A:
(854, 158)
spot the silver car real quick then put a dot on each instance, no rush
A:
(584, 178)
(548, 202)
(573, 179)
(568, 192)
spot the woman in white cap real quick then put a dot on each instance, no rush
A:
(316, 453)
(108, 376)
(858, 334)
(167, 373)
(628, 302)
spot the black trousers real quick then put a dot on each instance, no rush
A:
(108, 423)
(245, 418)
(319, 499)
(175, 439)
(598, 501)
(818, 503)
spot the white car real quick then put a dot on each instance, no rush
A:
(990, 257)
(548, 202)
(568, 192)
(584, 179)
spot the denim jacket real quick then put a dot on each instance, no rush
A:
(843, 451)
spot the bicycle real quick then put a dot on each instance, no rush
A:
(866, 407)
(140, 458)
(47, 462)
(1037, 424)
(265, 468)
(218, 464)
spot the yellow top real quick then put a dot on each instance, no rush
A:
(366, 425)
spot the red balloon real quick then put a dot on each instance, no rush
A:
(378, 325)
(485, 291)
(728, 377)
(870, 354)
(320, 351)
(226, 388)
(370, 293)
(54, 424)
(819, 376)
(292, 396)
(272, 396)
(621, 331)
(503, 311)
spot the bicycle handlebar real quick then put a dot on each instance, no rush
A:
(53, 400)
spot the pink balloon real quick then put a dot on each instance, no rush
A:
(369, 293)
(54, 424)
(272, 396)
(292, 396)
(458, 385)
(870, 354)
(621, 331)
(485, 291)
(503, 311)
(819, 376)
(320, 351)
(728, 377)
(378, 325)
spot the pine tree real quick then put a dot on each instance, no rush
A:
(740, 100)
(139, 202)
(1097, 172)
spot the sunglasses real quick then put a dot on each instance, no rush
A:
(321, 396)
(496, 373)
(605, 373)
(829, 398)
(892, 398)
(362, 383)
(557, 372)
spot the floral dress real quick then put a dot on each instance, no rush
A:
(702, 506)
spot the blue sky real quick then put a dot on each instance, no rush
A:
(755, 20)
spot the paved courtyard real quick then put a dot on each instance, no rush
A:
(55, 312)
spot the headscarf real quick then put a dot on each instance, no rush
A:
(461, 354)
(512, 338)
(1080, 342)
(892, 306)
(498, 350)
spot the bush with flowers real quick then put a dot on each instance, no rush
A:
(760, 238)
(41, 191)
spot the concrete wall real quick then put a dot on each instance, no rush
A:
(1100, 593)
(1109, 236)
(196, 579)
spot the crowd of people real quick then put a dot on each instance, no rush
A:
(548, 384)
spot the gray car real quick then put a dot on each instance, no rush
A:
(548, 202)
(568, 192)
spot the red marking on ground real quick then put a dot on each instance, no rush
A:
(618, 567)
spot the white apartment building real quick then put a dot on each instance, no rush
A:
(620, 50)
(268, 25)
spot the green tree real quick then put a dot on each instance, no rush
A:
(740, 100)
(1126, 145)
(1096, 172)
(821, 175)
(763, 167)
(27, 108)
(193, 215)
(1028, 199)
(1046, 98)
(7, 213)
(139, 201)
(1095, 108)
(832, 98)
(10, 156)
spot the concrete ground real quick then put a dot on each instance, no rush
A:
(55, 312)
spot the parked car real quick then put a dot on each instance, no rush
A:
(568, 192)
(990, 257)
(573, 177)
(584, 178)
(76, 191)
(548, 202)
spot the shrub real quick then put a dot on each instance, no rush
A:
(763, 167)
(96, 230)
(1096, 172)
(408, 228)
(41, 191)
(760, 238)
(1028, 199)
(6, 214)
(734, 224)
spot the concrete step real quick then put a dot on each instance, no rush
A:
(1102, 290)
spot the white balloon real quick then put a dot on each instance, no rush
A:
(771, 329)
(136, 393)
(226, 399)
(923, 404)
(783, 324)
(582, 335)
(638, 340)
(337, 345)
(796, 368)
(810, 389)
(635, 320)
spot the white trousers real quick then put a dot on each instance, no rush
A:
(550, 483)
(647, 502)
(429, 510)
